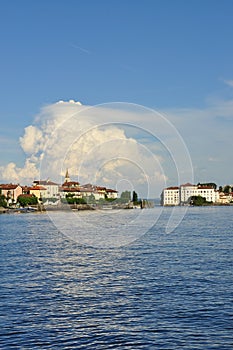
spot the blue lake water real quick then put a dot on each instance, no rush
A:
(162, 291)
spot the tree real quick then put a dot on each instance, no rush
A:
(125, 196)
(73, 200)
(69, 195)
(91, 199)
(220, 188)
(135, 197)
(199, 201)
(227, 189)
(24, 200)
(3, 202)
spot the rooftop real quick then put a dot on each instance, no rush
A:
(9, 186)
(45, 182)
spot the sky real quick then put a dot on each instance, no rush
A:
(171, 57)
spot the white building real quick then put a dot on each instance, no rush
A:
(111, 193)
(170, 196)
(207, 192)
(186, 191)
(52, 189)
(182, 195)
(225, 198)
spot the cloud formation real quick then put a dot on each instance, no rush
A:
(119, 143)
(113, 143)
(32, 140)
(12, 173)
(99, 145)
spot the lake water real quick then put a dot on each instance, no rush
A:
(161, 291)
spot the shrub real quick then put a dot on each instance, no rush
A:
(26, 199)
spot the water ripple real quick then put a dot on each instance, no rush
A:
(161, 292)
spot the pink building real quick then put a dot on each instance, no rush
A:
(11, 191)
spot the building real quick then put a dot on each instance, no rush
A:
(207, 192)
(38, 191)
(70, 187)
(52, 188)
(170, 196)
(113, 194)
(11, 192)
(67, 176)
(104, 192)
(225, 198)
(188, 190)
(88, 189)
(74, 189)
(182, 195)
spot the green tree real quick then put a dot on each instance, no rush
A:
(125, 196)
(199, 201)
(69, 195)
(227, 189)
(3, 202)
(220, 188)
(25, 200)
(91, 199)
(73, 200)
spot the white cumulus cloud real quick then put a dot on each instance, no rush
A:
(14, 174)
(31, 141)
(103, 145)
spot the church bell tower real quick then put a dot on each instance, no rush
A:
(67, 176)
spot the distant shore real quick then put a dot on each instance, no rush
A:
(66, 207)
(89, 207)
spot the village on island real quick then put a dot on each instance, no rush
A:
(48, 195)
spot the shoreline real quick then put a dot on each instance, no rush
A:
(87, 207)
(65, 208)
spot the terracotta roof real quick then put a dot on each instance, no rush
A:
(100, 188)
(37, 187)
(206, 187)
(26, 195)
(8, 186)
(86, 189)
(70, 183)
(69, 189)
(110, 190)
(172, 188)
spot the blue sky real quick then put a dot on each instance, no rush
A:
(167, 55)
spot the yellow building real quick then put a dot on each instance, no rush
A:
(38, 191)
